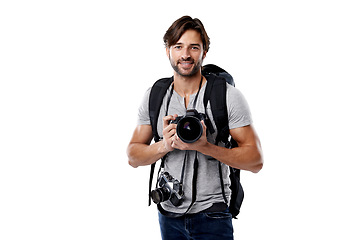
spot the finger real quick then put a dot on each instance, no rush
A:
(169, 118)
(166, 120)
(169, 132)
(179, 144)
(173, 142)
(204, 126)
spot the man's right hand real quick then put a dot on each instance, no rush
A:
(169, 131)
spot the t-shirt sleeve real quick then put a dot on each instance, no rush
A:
(238, 108)
(143, 113)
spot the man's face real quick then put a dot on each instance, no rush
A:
(187, 55)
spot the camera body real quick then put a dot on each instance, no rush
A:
(189, 127)
(169, 189)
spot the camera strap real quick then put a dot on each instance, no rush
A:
(194, 182)
(169, 98)
(183, 169)
(172, 92)
(197, 94)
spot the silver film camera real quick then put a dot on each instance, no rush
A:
(169, 189)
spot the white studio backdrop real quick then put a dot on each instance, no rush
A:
(73, 74)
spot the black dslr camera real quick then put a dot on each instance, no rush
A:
(189, 127)
(169, 189)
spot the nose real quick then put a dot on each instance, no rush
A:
(185, 54)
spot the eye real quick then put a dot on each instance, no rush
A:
(195, 48)
(177, 47)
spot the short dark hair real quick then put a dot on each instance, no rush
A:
(178, 28)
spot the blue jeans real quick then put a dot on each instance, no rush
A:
(211, 225)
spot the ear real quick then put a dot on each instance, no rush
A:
(168, 52)
(204, 55)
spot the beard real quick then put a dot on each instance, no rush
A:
(184, 73)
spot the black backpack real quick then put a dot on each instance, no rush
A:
(215, 92)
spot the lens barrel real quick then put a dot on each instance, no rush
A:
(160, 195)
(189, 129)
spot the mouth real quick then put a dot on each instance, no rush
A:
(186, 64)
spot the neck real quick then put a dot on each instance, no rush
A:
(186, 86)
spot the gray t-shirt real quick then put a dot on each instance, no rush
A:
(208, 180)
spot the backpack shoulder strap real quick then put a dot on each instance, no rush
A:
(215, 92)
(157, 93)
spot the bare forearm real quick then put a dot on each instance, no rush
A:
(244, 157)
(140, 154)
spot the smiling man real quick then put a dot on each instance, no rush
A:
(187, 53)
(193, 203)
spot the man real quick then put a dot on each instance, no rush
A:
(187, 44)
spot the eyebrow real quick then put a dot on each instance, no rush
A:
(193, 44)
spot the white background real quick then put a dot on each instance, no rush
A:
(72, 77)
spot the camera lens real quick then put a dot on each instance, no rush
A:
(189, 129)
(160, 195)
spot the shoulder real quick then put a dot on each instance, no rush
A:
(159, 85)
(238, 109)
(146, 96)
(234, 94)
(162, 83)
(143, 113)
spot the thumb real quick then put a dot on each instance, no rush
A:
(204, 125)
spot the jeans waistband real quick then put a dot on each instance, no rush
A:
(216, 207)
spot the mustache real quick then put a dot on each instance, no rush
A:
(189, 59)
